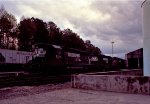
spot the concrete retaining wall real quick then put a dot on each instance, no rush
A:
(115, 83)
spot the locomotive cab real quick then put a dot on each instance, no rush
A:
(46, 58)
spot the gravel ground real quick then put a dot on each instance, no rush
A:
(78, 96)
(18, 91)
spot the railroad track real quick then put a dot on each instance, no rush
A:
(9, 81)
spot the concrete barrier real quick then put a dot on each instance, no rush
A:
(133, 72)
(115, 83)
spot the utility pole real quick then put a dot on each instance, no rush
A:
(112, 47)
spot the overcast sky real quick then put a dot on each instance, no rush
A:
(100, 21)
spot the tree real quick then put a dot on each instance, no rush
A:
(32, 31)
(7, 25)
(55, 34)
(27, 29)
(7, 20)
(41, 35)
(72, 40)
(13, 43)
(91, 48)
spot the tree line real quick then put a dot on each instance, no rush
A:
(30, 31)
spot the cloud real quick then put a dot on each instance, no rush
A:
(124, 26)
(100, 21)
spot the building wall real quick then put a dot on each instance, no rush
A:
(134, 59)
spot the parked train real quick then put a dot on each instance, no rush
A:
(56, 59)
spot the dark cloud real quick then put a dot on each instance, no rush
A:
(124, 27)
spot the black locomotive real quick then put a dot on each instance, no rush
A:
(55, 59)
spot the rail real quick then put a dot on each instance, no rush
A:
(9, 81)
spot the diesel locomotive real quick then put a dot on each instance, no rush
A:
(54, 59)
